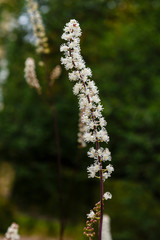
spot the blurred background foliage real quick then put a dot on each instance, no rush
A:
(121, 44)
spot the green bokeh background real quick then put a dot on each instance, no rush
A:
(121, 44)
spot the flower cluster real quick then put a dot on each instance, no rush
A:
(12, 232)
(30, 74)
(94, 216)
(89, 100)
(38, 27)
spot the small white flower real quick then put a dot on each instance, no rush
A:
(63, 48)
(99, 107)
(83, 102)
(67, 62)
(73, 76)
(86, 72)
(100, 152)
(110, 168)
(80, 64)
(107, 195)
(87, 91)
(91, 125)
(67, 36)
(73, 44)
(97, 113)
(106, 155)
(91, 214)
(96, 99)
(102, 122)
(92, 170)
(106, 175)
(92, 153)
(89, 137)
(85, 119)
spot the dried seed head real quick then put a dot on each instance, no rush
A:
(30, 74)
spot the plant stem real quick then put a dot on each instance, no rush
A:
(101, 217)
(101, 197)
(57, 139)
(59, 171)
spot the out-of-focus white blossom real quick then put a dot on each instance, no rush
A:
(30, 74)
(38, 27)
(106, 231)
(93, 170)
(12, 232)
(107, 172)
(4, 72)
(56, 72)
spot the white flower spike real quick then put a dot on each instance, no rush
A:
(90, 104)
(89, 100)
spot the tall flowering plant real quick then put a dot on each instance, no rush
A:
(95, 131)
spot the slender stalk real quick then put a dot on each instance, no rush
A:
(101, 216)
(59, 161)
(101, 197)
(59, 171)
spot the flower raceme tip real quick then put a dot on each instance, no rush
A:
(89, 100)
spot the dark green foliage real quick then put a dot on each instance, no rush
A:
(121, 44)
(6, 215)
(135, 210)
